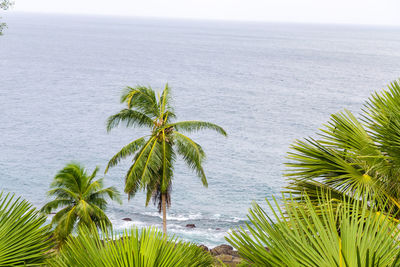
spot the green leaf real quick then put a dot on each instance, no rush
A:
(146, 247)
(24, 239)
(317, 235)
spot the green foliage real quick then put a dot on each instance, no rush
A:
(147, 248)
(24, 240)
(154, 155)
(353, 156)
(345, 235)
(79, 199)
(4, 4)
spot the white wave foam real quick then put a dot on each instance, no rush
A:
(177, 217)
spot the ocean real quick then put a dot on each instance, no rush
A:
(267, 84)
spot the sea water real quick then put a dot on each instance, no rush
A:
(267, 84)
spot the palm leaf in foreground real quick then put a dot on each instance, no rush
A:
(351, 156)
(348, 235)
(24, 240)
(146, 247)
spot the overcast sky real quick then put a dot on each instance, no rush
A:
(320, 11)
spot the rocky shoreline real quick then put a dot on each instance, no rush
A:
(224, 253)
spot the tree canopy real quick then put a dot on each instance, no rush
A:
(154, 154)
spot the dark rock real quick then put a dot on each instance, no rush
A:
(205, 248)
(222, 249)
(127, 219)
(190, 225)
(217, 228)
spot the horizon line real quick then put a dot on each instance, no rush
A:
(199, 19)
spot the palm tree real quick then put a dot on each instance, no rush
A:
(82, 200)
(353, 156)
(155, 154)
(146, 247)
(25, 239)
(294, 235)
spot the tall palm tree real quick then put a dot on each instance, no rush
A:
(154, 155)
(81, 198)
(353, 156)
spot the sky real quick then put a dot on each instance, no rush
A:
(375, 12)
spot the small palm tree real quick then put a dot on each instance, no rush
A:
(154, 155)
(82, 200)
(145, 247)
(353, 156)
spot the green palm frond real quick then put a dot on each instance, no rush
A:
(354, 156)
(126, 151)
(381, 114)
(165, 100)
(168, 158)
(145, 248)
(62, 192)
(130, 118)
(312, 159)
(141, 98)
(322, 235)
(145, 166)
(194, 126)
(192, 153)
(101, 194)
(299, 189)
(55, 204)
(24, 239)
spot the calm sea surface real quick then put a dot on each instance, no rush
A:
(266, 84)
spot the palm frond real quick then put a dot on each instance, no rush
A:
(145, 167)
(168, 158)
(303, 235)
(24, 239)
(141, 98)
(55, 204)
(61, 192)
(381, 114)
(165, 102)
(312, 159)
(192, 153)
(147, 247)
(112, 192)
(130, 118)
(355, 156)
(194, 126)
(69, 177)
(126, 151)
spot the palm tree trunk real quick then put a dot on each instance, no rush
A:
(164, 210)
